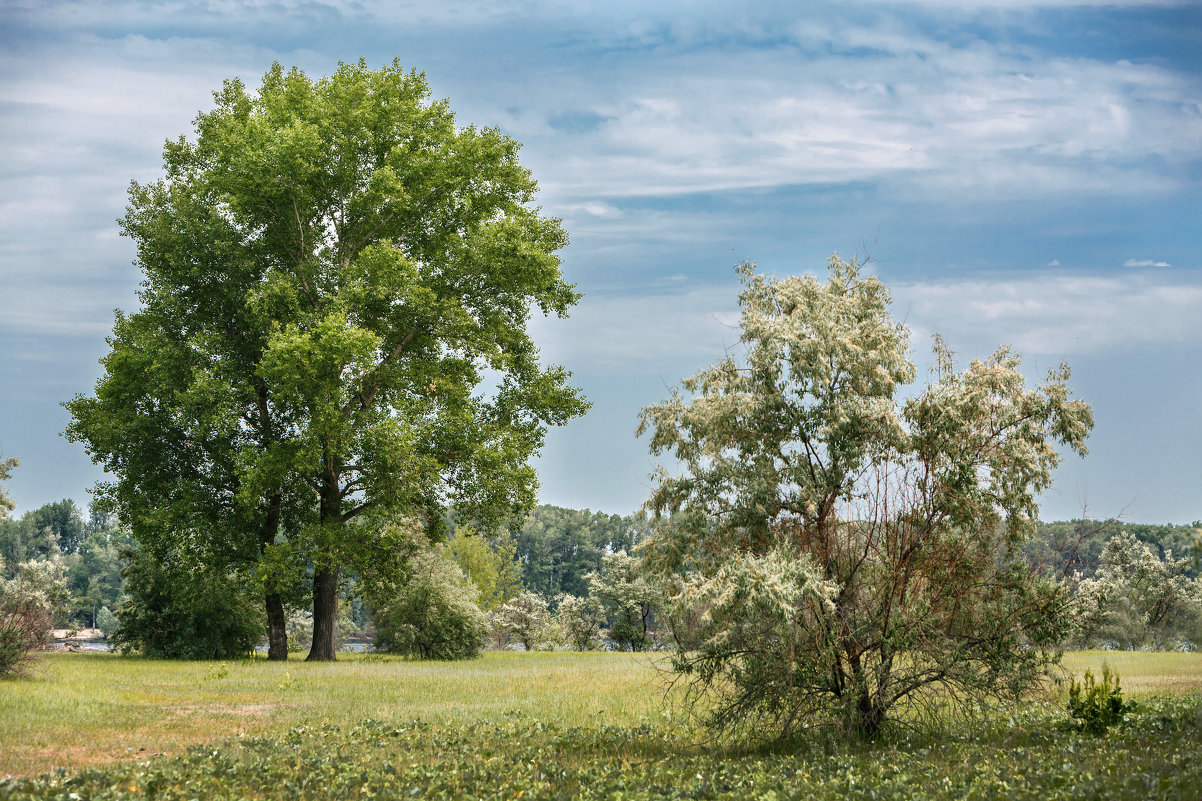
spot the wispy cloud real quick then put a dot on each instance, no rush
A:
(1041, 315)
(1145, 263)
(674, 331)
(1054, 315)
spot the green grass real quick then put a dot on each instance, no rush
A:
(82, 709)
(537, 726)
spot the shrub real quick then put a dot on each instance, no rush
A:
(28, 604)
(1095, 707)
(854, 545)
(176, 613)
(433, 614)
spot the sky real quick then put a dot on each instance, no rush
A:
(1024, 173)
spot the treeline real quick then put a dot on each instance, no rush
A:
(1137, 582)
(90, 554)
(551, 554)
(1067, 548)
(558, 547)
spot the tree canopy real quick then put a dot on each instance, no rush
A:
(332, 333)
(559, 547)
(852, 548)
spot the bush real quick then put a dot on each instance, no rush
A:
(177, 613)
(853, 544)
(28, 604)
(106, 621)
(1094, 707)
(433, 614)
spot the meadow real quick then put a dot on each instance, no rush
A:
(540, 725)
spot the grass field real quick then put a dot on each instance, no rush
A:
(539, 725)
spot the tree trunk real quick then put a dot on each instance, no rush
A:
(277, 628)
(869, 716)
(325, 614)
(277, 623)
(325, 580)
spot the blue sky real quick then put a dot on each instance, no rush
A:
(1022, 172)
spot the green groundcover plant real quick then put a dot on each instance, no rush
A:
(1029, 755)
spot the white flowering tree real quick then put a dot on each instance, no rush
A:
(525, 617)
(627, 596)
(852, 550)
(579, 622)
(1139, 599)
(29, 602)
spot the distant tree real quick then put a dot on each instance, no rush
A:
(334, 268)
(627, 596)
(99, 520)
(856, 553)
(7, 504)
(525, 617)
(94, 574)
(18, 542)
(43, 532)
(1138, 598)
(64, 520)
(1070, 547)
(106, 621)
(580, 621)
(489, 562)
(558, 547)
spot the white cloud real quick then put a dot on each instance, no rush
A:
(1056, 315)
(595, 208)
(1145, 263)
(676, 332)
(996, 5)
(921, 114)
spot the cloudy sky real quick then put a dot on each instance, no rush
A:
(1023, 172)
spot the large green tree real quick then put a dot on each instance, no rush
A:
(853, 548)
(339, 280)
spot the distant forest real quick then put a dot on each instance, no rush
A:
(555, 549)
